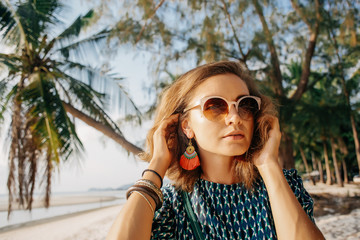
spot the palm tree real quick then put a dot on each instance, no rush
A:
(346, 53)
(46, 78)
(320, 116)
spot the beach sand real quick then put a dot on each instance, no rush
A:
(333, 219)
(338, 227)
(90, 225)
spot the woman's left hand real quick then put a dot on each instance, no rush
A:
(291, 221)
(270, 151)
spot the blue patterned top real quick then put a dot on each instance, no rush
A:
(224, 211)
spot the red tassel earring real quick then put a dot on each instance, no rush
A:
(189, 160)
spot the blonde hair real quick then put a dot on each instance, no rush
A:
(176, 98)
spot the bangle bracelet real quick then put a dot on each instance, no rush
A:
(147, 200)
(150, 184)
(152, 187)
(148, 191)
(157, 174)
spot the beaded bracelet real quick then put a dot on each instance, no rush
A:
(153, 171)
(158, 201)
(149, 192)
(152, 186)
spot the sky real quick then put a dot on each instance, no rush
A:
(104, 163)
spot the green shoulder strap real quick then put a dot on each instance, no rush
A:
(192, 217)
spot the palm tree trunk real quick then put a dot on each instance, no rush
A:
(306, 164)
(333, 178)
(327, 165)
(313, 160)
(304, 160)
(286, 158)
(104, 129)
(346, 179)
(336, 166)
(321, 172)
(356, 140)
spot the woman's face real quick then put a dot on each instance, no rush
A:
(230, 136)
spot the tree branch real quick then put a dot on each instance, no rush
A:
(275, 74)
(234, 32)
(144, 26)
(106, 130)
(300, 13)
(314, 32)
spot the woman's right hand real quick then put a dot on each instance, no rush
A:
(136, 217)
(161, 154)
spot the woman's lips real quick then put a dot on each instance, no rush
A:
(235, 137)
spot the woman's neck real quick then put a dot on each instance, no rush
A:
(218, 168)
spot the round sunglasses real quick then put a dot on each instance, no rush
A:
(216, 108)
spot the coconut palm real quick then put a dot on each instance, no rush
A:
(320, 117)
(344, 47)
(48, 75)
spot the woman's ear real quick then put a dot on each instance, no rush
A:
(185, 127)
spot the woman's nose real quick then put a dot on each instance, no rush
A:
(233, 116)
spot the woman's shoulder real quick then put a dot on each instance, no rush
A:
(291, 175)
(170, 192)
(172, 201)
(168, 188)
(295, 181)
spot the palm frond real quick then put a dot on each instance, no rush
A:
(4, 100)
(10, 31)
(11, 61)
(84, 48)
(7, 22)
(106, 83)
(90, 101)
(36, 17)
(3, 88)
(79, 24)
(52, 123)
(138, 114)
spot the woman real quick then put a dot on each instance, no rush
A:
(236, 187)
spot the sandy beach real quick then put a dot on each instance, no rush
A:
(90, 225)
(333, 219)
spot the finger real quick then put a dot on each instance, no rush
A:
(275, 123)
(274, 134)
(275, 126)
(168, 122)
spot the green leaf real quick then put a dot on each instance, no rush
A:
(79, 24)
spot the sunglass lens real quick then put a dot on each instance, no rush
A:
(215, 109)
(247, 107)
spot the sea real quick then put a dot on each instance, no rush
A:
(22, 217)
